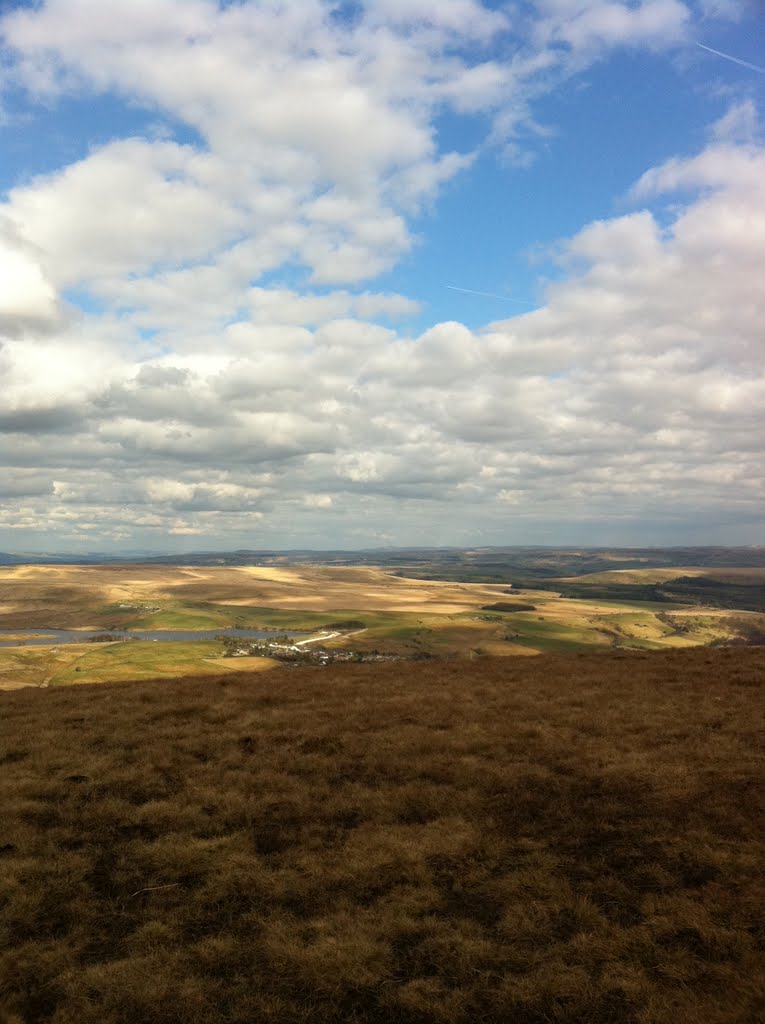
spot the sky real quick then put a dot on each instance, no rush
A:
(314, 274)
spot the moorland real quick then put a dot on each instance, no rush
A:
(563, 839)
(573, 835)
(419, 604)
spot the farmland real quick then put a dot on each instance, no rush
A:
(548, 812)
(390, 613)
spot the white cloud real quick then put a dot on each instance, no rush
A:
(26, 296)
(462, 16)
(730, 10)
(320, 182)
(583, 24)
(318, 500)
(274, 178)
(717, 166)
(739, 124)
(204, 399)
(129, 206)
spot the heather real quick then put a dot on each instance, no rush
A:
(556, 840)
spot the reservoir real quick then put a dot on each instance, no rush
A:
(57, 637)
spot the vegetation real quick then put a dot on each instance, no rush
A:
(375, 611)
(100, 663)
(478, 564)
(489, 565)
(345, 624)
(747, 594)
(543, 840)
(142, 659)
(508, 606)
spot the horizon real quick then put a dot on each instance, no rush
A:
(391, 548)
(355, 276)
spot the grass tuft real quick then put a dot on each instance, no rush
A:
(558, 840)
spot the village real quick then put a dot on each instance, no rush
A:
(300, 652)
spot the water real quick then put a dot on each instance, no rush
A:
(58, 637)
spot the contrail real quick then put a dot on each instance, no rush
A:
(488, 295)
(736, 60)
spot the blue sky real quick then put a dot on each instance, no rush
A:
(397, 273)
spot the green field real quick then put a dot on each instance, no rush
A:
(544, 634)
(139, 659)
(103, 662)
(388, 614)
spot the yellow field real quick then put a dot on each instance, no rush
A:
(666, 573)
(399, 616)
(317, 587)
(637, 575)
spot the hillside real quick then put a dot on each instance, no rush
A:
(369, 612)
(484, 564)
(551, 840)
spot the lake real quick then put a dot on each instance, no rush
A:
(58, 637)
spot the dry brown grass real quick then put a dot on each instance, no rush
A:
(639, 575)
(29, 588)
(740, 575)
(552, 840)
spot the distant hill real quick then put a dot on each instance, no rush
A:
(490, 564)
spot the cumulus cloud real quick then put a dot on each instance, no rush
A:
(152, 205)
(227, 378)
(632, 386)
(27, 298)
(321, 184)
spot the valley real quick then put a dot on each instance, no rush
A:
(364, 611)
